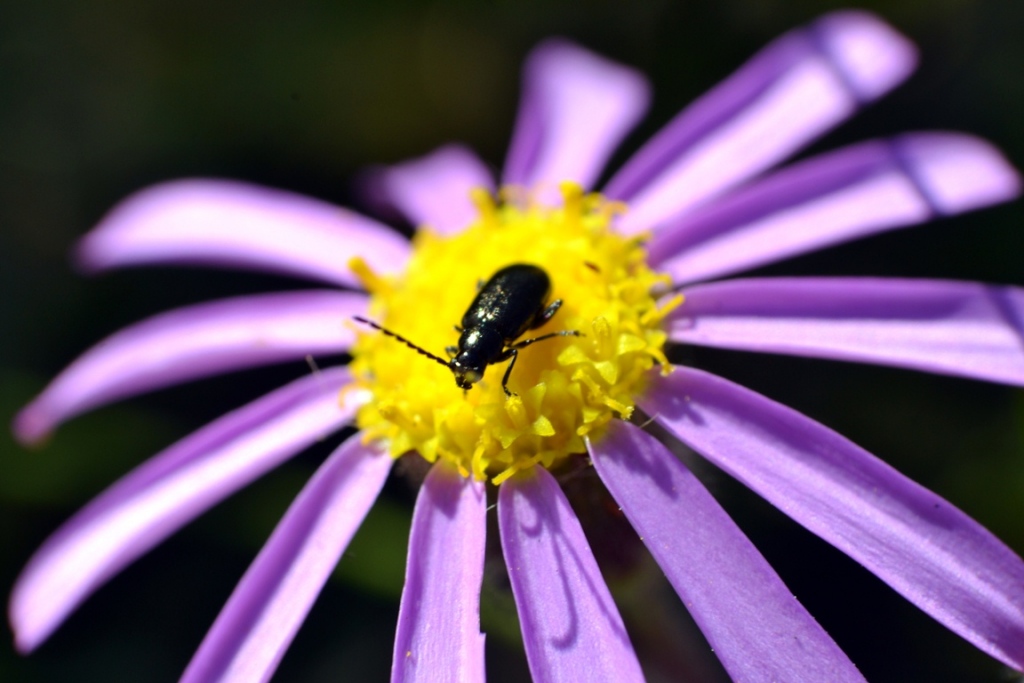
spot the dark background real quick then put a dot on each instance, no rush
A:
(101, 98)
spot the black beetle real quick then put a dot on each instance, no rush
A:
(513, 301)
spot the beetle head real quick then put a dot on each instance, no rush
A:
(466, 371)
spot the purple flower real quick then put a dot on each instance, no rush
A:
(700, 190)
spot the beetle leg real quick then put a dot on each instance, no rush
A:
(513, 353)
(546, 314)
(451, 351)
(563, 333)
(458, 328)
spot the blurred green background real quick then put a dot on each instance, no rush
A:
(100, 98)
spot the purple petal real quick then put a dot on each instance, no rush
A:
(259, 621)
(791, 92)
(572, 630)
(223, 223)
(929, 551)
(194, 342)
(576, 107)
(751, 620)
(434, 190)
(439, 621)
(844, 195)
(955, 328)
(166, 492)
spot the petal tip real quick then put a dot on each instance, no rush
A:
(87, 255)
(960, 172)
(559, 51)
(873, 55)
(23, 644)
(96, 250)
(576, 107)
(31, 426)
(29, 634)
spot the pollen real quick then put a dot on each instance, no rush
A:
(564, 389)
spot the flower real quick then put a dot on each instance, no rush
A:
(696, 194)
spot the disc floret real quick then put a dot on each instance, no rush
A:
(564, 389)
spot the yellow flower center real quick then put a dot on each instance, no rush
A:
(565, 388)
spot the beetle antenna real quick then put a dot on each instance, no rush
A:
(402, 339)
